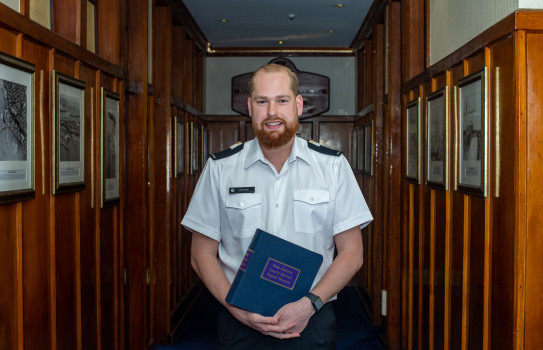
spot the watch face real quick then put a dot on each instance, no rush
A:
(317, 303)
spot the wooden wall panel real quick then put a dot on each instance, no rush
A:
(534, 166)
(222, 135)
(110, 20)
(67, 19)
(9, 302)
(503, 251)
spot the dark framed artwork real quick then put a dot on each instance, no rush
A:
(437, 139)
(471, 133)
(194, 148)
(110, 134)
(203, 146)
(179, 147)
(368, 149)
(17, 156)
(68, 133)
(361, 148)
(412, 140)
(354, 149)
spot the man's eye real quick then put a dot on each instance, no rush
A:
(260, 102)
(283, 101)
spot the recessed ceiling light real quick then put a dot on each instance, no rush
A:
(340, 5)
(224, 20)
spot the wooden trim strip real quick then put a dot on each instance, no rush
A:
(77, 249)
(432, 299)
(411, 263)
(53, 272)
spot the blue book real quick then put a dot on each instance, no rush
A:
(273, 273)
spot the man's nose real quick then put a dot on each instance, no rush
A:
(272, 108)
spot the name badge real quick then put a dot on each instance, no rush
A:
(235, 190)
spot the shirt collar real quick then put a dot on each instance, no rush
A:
(299, 150)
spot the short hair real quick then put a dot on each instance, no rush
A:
(274, 68)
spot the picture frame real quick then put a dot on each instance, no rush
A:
(17, 131)
(412, 140)
(368, 149)
(110, 141)
(68, 133)
(203, 146)
(361, 148)
(194, 148)
(354, 149)
(472, 129)
(179, 147)
(437, 141)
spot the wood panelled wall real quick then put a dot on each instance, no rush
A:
(62, 254)
(76, 275)
(470, 276)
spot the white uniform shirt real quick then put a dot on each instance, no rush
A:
(313, 198)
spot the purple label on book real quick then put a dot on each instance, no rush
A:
(246, 259)
(280, 274)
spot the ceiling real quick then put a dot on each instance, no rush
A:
(279, 24)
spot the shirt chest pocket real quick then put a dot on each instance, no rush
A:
(244, 213)
(310, 209)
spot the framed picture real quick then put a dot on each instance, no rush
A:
(68, 133)
(368, 149)
(361, 148)
(110, 147)
(179, 147)
(437, 139)
(472, 133)
(203, 147)
(412, 138)
(354, 149)
(16, 129)
(194, 148)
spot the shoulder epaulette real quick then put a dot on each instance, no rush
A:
(235, 148)
(314, 145)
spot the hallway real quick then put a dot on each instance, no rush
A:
(354, 330)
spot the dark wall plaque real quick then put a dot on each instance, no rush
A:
(314, 88)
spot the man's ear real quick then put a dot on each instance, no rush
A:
(249, 106)
(300, 104)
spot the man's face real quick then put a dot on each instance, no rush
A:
(274, 109)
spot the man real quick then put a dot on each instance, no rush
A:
(294, 189)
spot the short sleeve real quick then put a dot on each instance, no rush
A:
(203, 213)
(351, 208)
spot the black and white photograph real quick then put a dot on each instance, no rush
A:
(436, 138)
(179, 148)
(68, 133)
(472, 132)
(16, 128)
(412, 135)
(110, 147)
(354, 149)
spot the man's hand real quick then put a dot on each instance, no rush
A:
(266, 325)
(296, 314)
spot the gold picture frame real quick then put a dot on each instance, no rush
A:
(472, 133)
(413, 140)
(437, 139)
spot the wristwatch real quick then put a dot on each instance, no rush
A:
(315, 301)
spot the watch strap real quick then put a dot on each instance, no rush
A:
(315, 301)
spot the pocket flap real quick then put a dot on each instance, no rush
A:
(312, 196)
(243, 200)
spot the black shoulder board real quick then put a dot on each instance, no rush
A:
(235, 148)
(314, 145)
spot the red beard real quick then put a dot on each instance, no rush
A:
(273, 139)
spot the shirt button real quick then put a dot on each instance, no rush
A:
(312, 199)
(277, 205)
(242, 204)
